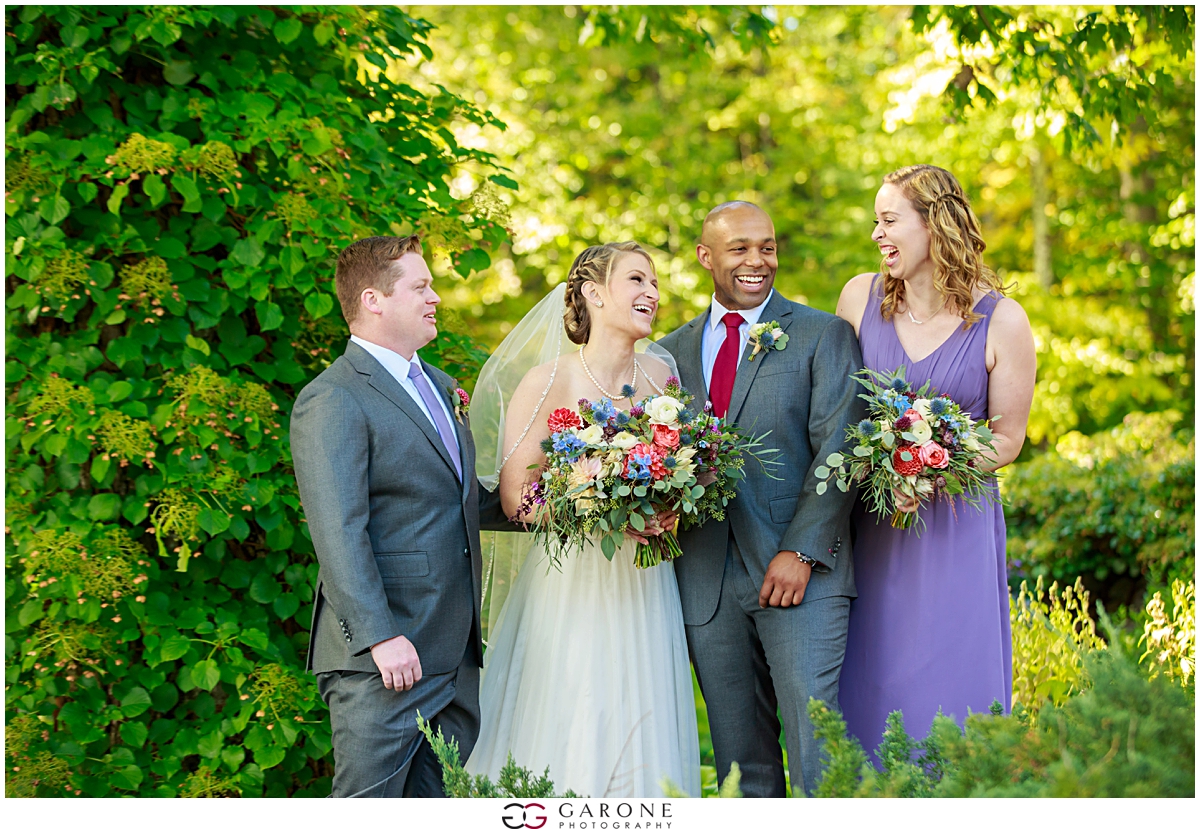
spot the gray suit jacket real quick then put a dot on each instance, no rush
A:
(804, 396)
(396, 534)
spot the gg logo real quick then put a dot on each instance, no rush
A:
(524, 816)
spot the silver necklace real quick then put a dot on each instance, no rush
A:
(604, 391)
(922, 322)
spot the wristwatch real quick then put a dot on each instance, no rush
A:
(809, 560)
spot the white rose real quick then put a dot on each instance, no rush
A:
(921, 431)
(664, 410)
(624, 440)
(922, 407)
(592, 435)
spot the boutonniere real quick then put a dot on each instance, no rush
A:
(462, 405)
(765, 336)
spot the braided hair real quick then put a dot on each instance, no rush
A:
(595, 264)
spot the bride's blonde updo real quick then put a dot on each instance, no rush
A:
(593, 265)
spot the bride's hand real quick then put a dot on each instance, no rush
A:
(659, 523)
(904, 502)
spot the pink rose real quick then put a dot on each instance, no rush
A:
(913, 415)
(666, 437)
(934, 455)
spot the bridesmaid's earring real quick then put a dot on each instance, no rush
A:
(600, 304)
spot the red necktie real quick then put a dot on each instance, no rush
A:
(720, 388)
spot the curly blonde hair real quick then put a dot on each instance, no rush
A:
(595, 264)
(955, 243)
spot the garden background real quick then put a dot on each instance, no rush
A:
(178, 182)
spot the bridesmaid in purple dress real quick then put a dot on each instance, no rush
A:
(929, 630)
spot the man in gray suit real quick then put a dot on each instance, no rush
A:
(766, 593)
(385, 463)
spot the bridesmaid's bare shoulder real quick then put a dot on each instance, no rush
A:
(855, 295)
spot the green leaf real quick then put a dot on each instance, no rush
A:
(286, 605)
(119, 391)
(118, 195)
(608, 546)
(842, 485)
(210, 744)
(637, 521)
(836, 459)
(264, 588)
(205, 674)
(134, 733)
(55, 209)
(269, 756)
(31, 611)
(187, 188)
(323, 32)
(173, 647)
(213, 521)
(503, 181)
(104, 507)
(270, 315)
(862, 451)
(155, 189)
(178, 72)
(318, 304)
(126, 777)
(100, 468)
(821, 487)
(821, 472)
(247, 252)
(199, 344)
(136, 702)
(288, 29)
(292, 259)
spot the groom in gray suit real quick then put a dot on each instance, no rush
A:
(385, 463)
(766, 593)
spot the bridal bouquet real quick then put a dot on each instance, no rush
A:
(915, 442)
(642, 474)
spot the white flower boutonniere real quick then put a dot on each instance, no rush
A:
(765, 336)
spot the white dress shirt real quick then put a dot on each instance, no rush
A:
(714, 332)
(398, 367)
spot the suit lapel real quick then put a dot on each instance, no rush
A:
(777, 310)
(461, 431)
(380, 379)
(691, 361)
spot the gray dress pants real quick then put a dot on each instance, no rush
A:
(751, 661)
(377, 749)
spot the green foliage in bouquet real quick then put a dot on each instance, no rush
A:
(1052, 631)
(1116, 509)
(1124, 735)
(179, 181)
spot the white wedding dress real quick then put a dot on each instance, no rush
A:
(586, 672)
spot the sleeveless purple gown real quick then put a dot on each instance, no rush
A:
(930, 627)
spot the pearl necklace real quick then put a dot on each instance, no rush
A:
(604, 391)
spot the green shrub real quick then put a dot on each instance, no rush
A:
(1051, 633)
(1124, 735)
(1115, 509)
(1169, 640)
(180, 180)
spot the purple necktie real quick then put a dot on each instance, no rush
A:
(435, 409)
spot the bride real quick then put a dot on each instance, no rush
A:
(586, 670)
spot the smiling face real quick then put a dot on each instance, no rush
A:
(738, 248)
(630, 297)
(406, 319)
(901, 235)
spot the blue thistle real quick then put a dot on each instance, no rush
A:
(603, 410)
(628, 390)
(868, 427)
(898, 385)
(622, 418)
(938, 407)
(766, 339)
(685, 438)
(686, 416)
(669, 463)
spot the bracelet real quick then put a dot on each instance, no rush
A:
(809, 560)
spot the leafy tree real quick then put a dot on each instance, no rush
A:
(179, 181)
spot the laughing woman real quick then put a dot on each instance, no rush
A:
(930, 627)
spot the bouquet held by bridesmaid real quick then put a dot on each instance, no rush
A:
(918, 443)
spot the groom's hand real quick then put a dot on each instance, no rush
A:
(786, 580)
(398, 663)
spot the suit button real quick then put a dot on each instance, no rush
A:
(466, 552)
